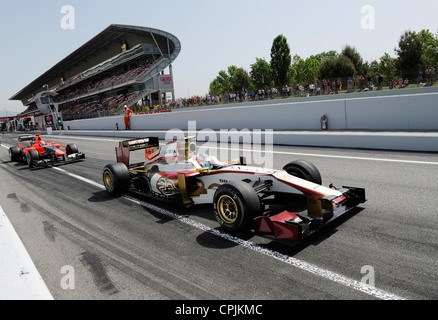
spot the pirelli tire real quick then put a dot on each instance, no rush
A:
(236, 204)
(116, 178)
(31, 157)
(71, 149)
(14, 154)
(305, 170)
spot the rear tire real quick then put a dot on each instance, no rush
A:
(32, 155)
(116, 178)
(236, 204)
(305, 170)
(14, 154)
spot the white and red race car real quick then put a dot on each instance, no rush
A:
(244, 197)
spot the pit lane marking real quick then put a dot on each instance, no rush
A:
(305, 266)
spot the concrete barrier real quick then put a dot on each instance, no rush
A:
(297, 121)
(402, 112)
(393, 112)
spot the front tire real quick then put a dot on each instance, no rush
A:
(236, 204)
(305, 170)
(116, 178)
(71, 149)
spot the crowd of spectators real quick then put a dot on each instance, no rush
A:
(361, 83)
(74, 104)
(208, 100)
(429, 76)
(355, 84)
(107, 81)
(107, 106)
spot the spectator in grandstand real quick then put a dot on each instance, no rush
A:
(127, 113)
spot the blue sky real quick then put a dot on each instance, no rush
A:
(213, 34)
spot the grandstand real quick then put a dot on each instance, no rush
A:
(122, 65)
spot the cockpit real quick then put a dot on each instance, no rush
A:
(201, 162)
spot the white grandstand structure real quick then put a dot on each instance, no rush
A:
(122, 65)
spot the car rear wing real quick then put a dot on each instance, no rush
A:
(26, 138)
(125, 147)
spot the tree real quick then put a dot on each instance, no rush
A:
(305, 70)
(344, 67)
(409, 54)
(222, 83)
(429, 49)
(234, 79)
(240, 80)
(215, 87)
(324, 55)
(387, 66)
(280, 60)
(337, 67)
(232, 71)
(295, 71)
(355, 58)
(261, 73)
(327, 68)
(374, 66)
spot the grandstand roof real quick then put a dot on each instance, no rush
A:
(100, 48)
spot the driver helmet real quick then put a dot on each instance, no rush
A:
(42, 143)
(204, 160)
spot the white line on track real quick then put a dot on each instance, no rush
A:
(329, 275)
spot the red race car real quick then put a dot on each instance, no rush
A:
(40, 153)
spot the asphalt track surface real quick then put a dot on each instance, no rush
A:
(134, 248)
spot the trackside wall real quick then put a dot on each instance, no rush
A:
(400, 112)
